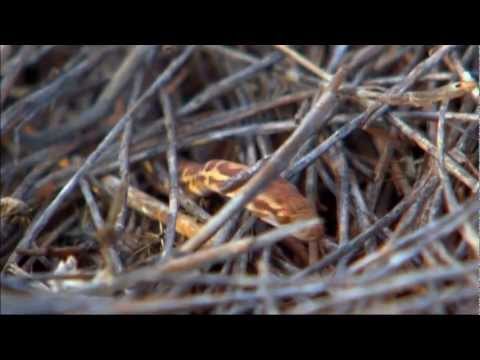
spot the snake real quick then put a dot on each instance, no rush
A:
(280, 203)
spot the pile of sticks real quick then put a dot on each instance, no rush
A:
(95, 219)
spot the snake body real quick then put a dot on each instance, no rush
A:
(279, 204)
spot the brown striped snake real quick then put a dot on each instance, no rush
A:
(281, 203)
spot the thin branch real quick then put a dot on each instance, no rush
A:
(173, 170)
(42, 221)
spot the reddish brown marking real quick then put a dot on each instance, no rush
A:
(285, 193)
(189, 168)
(284, 219)
(229, 169)
(209, 166)
(201, 178)
(263, 206)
